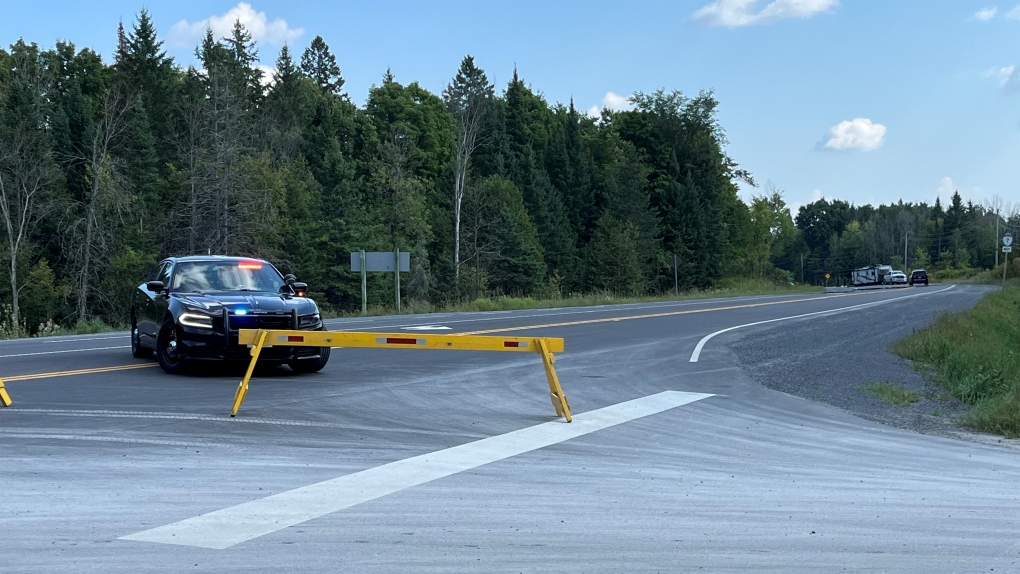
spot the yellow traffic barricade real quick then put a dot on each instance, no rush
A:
(544, 346)
(4, 397)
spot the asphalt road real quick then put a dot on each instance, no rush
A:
(444, 461)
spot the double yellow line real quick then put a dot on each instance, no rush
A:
(487, 331)
(80, 372)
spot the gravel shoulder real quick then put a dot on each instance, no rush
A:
(828, 360)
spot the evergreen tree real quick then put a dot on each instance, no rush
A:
(319, 64)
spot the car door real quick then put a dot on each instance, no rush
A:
(153, 307)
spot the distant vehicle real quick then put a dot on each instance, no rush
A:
(871, 275)
(896, 277)
(919, 276)
(190, 309)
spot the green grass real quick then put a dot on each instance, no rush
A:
(90, 327)
(51, 329)
(728, 288)
(975, 356)
(982, 276)
(892, 393)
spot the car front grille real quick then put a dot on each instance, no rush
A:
(274, 321)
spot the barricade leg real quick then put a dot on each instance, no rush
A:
(4, 397)
(559, 400)
(242, 388)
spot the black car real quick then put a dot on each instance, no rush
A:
(918, 276)
(190, 309)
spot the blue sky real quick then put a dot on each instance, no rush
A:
(871, 101)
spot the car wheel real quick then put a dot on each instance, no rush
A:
(137, 350)
(168, 352)
(310, 365)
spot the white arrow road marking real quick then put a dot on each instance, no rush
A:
(225, 528)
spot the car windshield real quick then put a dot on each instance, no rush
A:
(202, 276)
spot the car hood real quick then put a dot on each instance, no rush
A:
(252, 302)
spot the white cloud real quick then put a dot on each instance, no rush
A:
(188, 34)
(986, 14)
(611, 101)
(1000, 74)
(946, 187)
(1014, 14)
(268, 73)
(858, 133)
(816, 194)
(735, 13)
(1006, 76)
(1012, 83)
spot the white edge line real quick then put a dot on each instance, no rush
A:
(50, 342)
(65, 351)
(559, 311)
(230, 526)
(701, 344)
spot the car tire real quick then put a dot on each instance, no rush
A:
(310, 365)
(137, 350)
(167, 349)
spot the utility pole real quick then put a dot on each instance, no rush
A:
(801, 267)
(996, 237)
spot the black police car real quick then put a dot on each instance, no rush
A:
(190, 309)
(918, 276)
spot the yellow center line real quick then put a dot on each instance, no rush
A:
(79, 372)
(502, 330)
(653, 315)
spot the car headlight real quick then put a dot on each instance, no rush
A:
(197, 320)
(309, 320)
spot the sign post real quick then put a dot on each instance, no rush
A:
(395, 261)
(364, 283)
(1007, 247)
(396, 276)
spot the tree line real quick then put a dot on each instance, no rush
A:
(107, 168)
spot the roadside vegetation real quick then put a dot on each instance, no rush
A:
(975, 357)
(892, 393)
(729, 288)
(985, 276)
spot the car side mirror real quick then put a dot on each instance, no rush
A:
(299, 288)
(155, 286)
